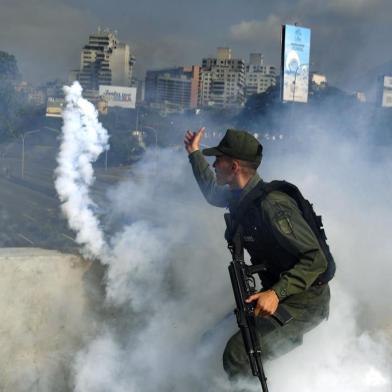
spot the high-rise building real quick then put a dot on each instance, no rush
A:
(139, 84)
(105, 61)
(172, 89)
(258, 76)
(222, 80)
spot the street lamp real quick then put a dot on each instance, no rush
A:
(137, 117)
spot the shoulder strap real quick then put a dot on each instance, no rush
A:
(233, 226)
(258, 192)
(261, 190)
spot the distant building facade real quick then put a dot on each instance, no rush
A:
(104, 61)
(36, 96)
(385, 91)
(318, 80)
(172, 89)
(258, 76)
(222, 80)
(140, 88)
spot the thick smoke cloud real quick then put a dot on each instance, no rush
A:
(165, 270)
(167, 279)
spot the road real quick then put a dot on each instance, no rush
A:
(29, 208)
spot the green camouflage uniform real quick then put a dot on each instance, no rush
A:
(308, 304)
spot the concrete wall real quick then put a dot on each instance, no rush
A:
(45, 318)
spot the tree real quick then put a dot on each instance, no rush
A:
(15, 112)
(8, 67)
(263, 112)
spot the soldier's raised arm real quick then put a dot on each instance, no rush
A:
(215, 194)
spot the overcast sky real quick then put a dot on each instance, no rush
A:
(46, 36)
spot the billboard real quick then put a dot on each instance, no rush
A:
(54, 107)
(118, 96)
(295, 63)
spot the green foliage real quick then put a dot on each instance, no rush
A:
(263, 112)
(8, 66)
(122, 147)
(16, 114)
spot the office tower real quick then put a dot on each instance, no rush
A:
(105, 61)
(172, 89)
(258, 76)
(222, 80)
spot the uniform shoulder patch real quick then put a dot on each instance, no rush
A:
(282, 218)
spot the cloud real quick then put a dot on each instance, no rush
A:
(45, 36)
(253, 30)
(167, 51)
(354, 7)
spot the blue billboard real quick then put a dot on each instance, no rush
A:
(295, 63)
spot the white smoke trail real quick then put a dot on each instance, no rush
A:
(83, 140)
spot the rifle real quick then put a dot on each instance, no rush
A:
(244, 285)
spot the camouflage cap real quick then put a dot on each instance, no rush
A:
(239, 145)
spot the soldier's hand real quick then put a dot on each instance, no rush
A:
(267, 303)
(192, 140)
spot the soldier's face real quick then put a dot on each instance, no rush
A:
(224, 170)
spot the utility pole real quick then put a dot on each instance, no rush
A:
(23, 154)
(137, 118)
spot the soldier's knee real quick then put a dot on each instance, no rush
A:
(235, 358)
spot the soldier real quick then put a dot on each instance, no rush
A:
(275, 235)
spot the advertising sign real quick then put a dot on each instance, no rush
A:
(295, 63)
(118, 96)
(54, 107)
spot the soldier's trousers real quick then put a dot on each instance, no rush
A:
(308, 310)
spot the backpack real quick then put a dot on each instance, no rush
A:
(312, 219)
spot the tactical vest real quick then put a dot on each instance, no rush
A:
(260, 242)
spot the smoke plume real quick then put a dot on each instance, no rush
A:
(83, 140)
